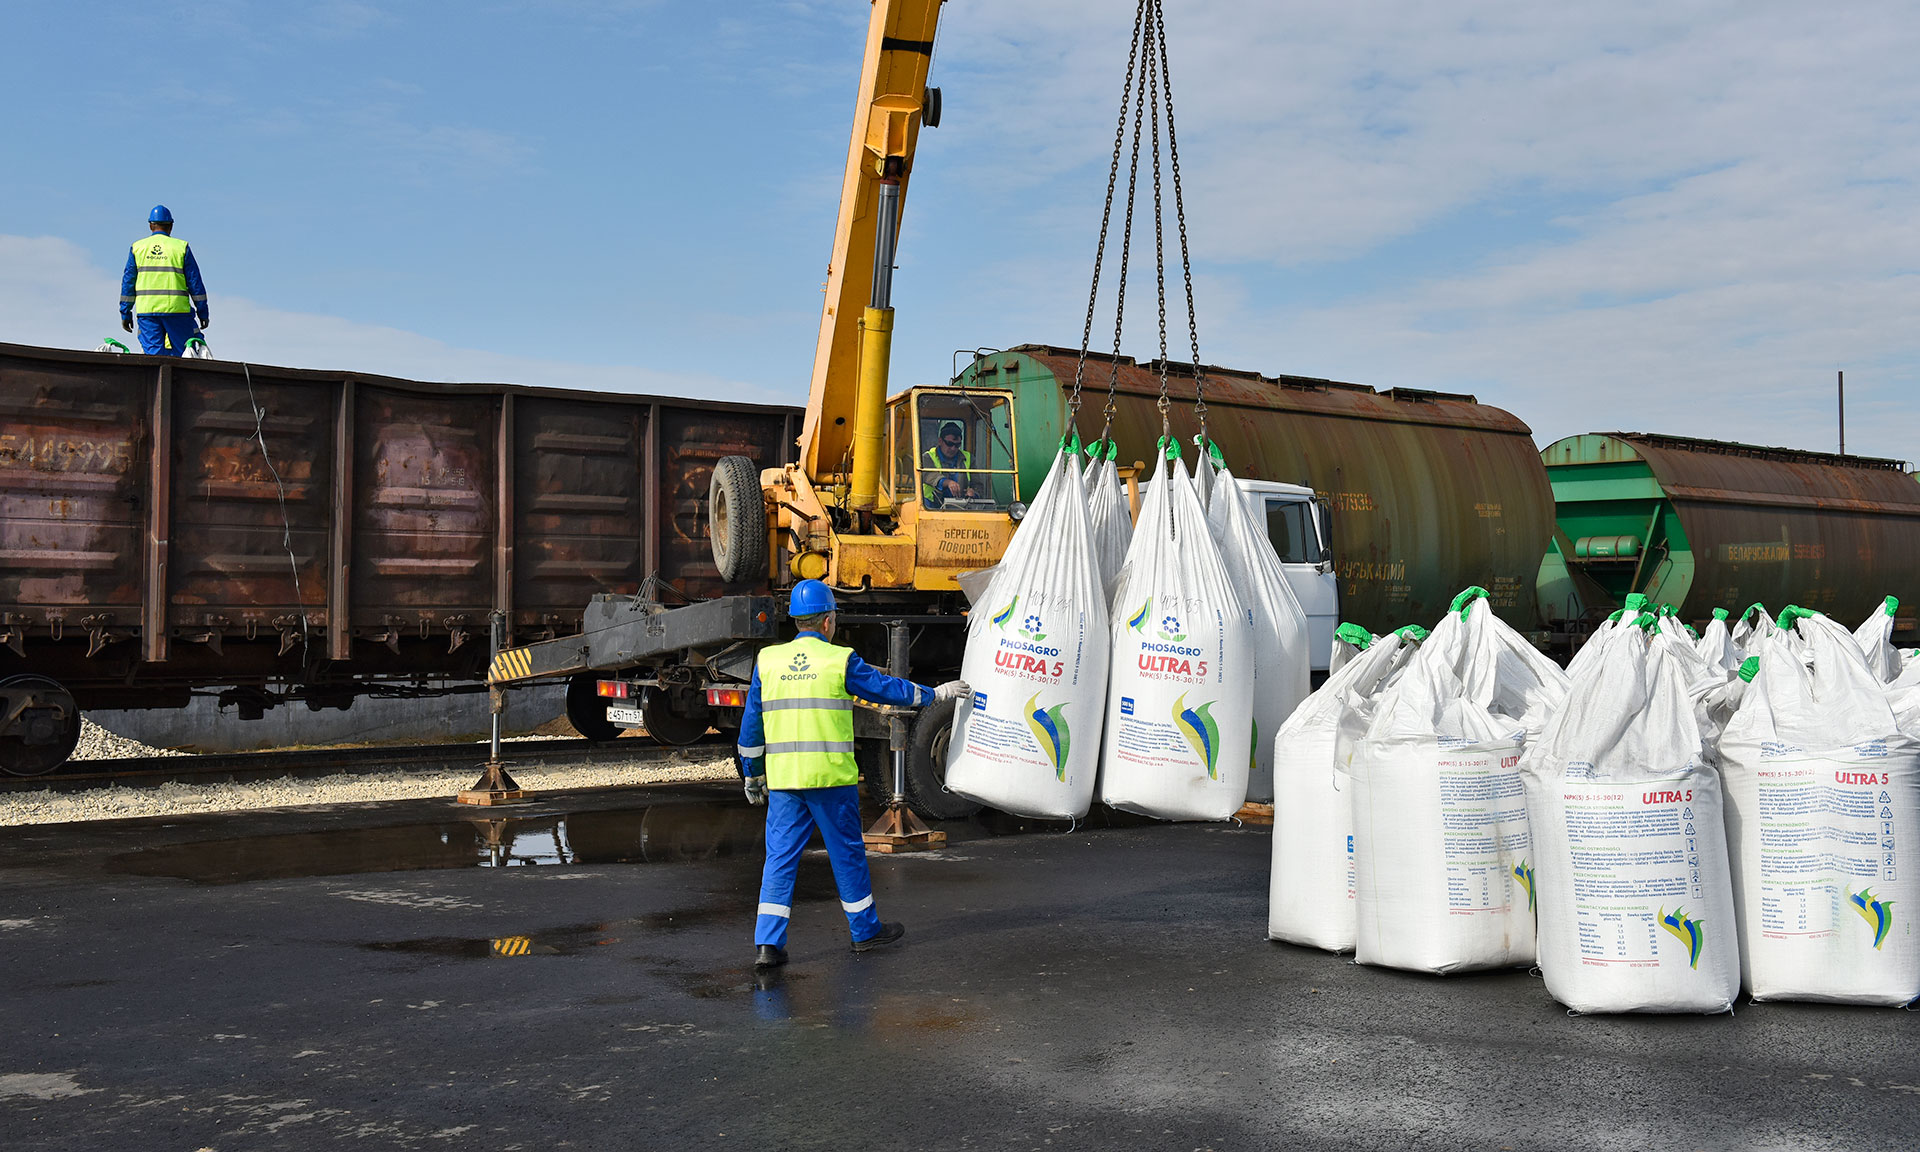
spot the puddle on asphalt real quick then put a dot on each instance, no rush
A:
(661, 833)
(553, 942)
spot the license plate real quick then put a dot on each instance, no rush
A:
(624, 717)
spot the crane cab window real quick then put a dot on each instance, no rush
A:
(953, 451)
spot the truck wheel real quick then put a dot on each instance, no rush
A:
(927, 766)
(737, 521)
(586, 711)
(667, 726)
(46, 729)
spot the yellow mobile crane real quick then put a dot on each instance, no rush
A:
(882, 498)
(890, 501)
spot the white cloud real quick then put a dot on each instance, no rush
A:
(1739, 180)
(52, 295)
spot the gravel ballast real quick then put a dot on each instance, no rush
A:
(118, 802)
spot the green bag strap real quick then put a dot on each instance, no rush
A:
(1646, 621)
(1169, 447)
(1893, 605)
(1202, 443)
(1749, 668)
(1071, 443)
(1635, 602)
(1756, 606)
(1411, 632)
(1720, 613)
(1355, 635)
(1791, 613)
(1615, 617)
(1464, 601)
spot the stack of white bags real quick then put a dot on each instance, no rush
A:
(1153, 709)
(1699, 813)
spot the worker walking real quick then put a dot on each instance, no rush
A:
(161, 285)
(796, 742)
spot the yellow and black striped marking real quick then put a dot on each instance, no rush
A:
(512, 664)
(512, 945)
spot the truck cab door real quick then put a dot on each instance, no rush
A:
(1298, 534)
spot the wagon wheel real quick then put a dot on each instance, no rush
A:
(43, 733)
(737, 521)
(586, 711)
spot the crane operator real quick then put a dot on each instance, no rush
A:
(796, 746)
(950, 464)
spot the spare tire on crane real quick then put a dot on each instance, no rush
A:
(737, 521)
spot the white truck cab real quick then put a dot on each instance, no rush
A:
(1298, 527)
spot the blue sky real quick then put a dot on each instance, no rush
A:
(1671, 217)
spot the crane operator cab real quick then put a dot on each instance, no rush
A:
(953, 451)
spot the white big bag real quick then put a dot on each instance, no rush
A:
(1875, 637)
(1634, 889)
(1036, 658)
(1823, 823)
(1180, 683)
(1108, 512)
(1281, 675)
(1311, 890)
(1443, 864)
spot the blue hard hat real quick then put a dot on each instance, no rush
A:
(810, 598)
(159, 215)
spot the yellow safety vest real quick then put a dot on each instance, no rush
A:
(807, 714)
(927, 491)
(160, 275)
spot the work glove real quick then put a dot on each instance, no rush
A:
(952, 690)
(204, 321)
(126, 323)
(756, 788)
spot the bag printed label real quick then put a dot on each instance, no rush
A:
(1483, 819)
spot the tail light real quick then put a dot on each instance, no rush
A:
(614, 689)
(727, 697)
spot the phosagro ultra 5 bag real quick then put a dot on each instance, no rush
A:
(1310, 894)
(1634, 889)
(1281, 677)
(1442, 856)
(1029, 742)
(1180, 688)
(1823, 821)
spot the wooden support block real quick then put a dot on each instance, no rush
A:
(1252, 813)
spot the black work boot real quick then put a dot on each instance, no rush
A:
(770, 956)
(888, 934)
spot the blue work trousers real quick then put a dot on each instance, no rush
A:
(158, 329)
(791, 818)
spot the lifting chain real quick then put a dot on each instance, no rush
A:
(1106, 218)
(1148, 82)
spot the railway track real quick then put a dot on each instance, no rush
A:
(235, 767)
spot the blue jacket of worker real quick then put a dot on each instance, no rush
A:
(196, 289)
(863, 681)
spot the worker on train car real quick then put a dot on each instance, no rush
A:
(946, 470)
(796, 743)
(161, 286)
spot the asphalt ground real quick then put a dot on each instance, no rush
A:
(347, 976)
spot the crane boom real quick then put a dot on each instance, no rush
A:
(886, 126)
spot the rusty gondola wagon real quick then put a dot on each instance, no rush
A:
(173, 526)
